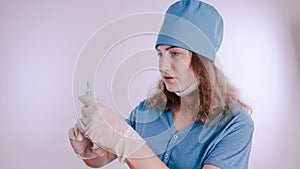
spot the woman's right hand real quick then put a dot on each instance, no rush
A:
(82, 146)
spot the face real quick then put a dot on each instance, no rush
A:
(175, 69)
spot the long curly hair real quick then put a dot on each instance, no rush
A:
(216, 94)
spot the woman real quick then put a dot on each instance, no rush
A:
(194, 119)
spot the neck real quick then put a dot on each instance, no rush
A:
(186, 113)
(189, 105)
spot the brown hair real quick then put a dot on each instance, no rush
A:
(216, 94)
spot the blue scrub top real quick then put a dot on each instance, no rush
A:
(225, 142)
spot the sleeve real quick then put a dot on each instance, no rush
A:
(233, 149)
(131, 120)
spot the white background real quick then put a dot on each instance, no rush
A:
(40, 41)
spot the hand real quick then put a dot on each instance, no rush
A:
(106, 129)
(82, 146)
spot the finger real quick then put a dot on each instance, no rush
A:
(76, 138)
(79, 137)
(87, 101)
(88, 155)
(76, 130)
(86, 120)
(95, 146)
(87, 111)
(80, 126)
(100, 152)
(83, 109)
(84, 123)
(81, 148)
(83, 128)
(72, 134)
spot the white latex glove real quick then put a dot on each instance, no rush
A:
(106, 129)
(82, 146)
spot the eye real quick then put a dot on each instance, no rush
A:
(174, 53)
(159, 54)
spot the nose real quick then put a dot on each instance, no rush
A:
(164, 64)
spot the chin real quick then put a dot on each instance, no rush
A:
(172, 88)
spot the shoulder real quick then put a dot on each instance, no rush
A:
(142, 111)
(237, 121)
(142, 115)
(134, 115)
(241, 117)
(235, 138)
(142, 106)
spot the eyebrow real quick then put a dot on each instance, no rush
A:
(168, 48)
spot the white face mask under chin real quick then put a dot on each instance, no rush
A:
(188, 90)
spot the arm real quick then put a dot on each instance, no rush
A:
(147, 162)
(104, 157)
(208, 166)
(154, 162)
(99, 157)
(102, 127)
(100, 160)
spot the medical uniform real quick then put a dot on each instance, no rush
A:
(225, 144)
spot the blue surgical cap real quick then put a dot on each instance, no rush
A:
(192, 25)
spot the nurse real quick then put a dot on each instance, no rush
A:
(195, 118)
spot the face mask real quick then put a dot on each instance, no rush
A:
(188, 90)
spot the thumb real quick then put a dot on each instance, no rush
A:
(100, 152)
(86, 100)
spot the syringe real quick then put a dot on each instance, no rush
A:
(89, 92)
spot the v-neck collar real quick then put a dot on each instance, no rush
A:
(172, 126)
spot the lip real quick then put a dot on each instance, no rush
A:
(168, 78)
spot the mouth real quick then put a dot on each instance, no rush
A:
(168, 78)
